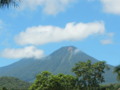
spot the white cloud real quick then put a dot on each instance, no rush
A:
(1, 24)
(27, 52)
(106, 41)
(111, 6)
(110, 34)
(0, 21)
(45, 34)
(109, 39)
(90, 0)
(49, 6)
(2, 28)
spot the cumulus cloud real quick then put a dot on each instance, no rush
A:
(1, 24)
(0, 21)
(111, 6)
(108, 40)
(49, 6)
(2, 27)
(111, 34)
(27, 52)
(71, 32)
(90, 0)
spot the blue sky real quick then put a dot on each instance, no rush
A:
(38, 27)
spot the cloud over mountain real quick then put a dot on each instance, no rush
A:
(27, 52)
(39, 35)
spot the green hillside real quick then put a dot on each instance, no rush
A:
(11, 83)
(60, 61)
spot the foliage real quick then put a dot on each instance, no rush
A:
(7, 3)
(60, 61)
(88, 74)
(11, 83)
(115, 86)
(48, 81)
(117, 70)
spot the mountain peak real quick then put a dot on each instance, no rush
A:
(60, 61)
(66, 49)
(69, 48)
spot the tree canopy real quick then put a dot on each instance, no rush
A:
(7, 3)
(48, 81)
(117, 70)
(11, 83)
(88, 74)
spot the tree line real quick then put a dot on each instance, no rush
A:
(88, 76)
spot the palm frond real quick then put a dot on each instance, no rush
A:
(8, 3)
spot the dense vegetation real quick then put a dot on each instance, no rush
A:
(111, 87)
(60, 61)
(88, 77)
(11, 83)
(117, 70)
(48, 81)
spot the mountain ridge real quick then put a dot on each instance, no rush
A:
(60, 61)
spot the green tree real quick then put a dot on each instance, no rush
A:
(41, 82)
(7, 3)
(117, 70)
(89, 75)
(67, 82)
(4, 88)
(48, 81)
(11, 83)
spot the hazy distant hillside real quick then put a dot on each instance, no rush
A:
(60, 61)
(11, 83)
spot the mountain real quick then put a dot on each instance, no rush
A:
(60, 61)
(11, 83)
